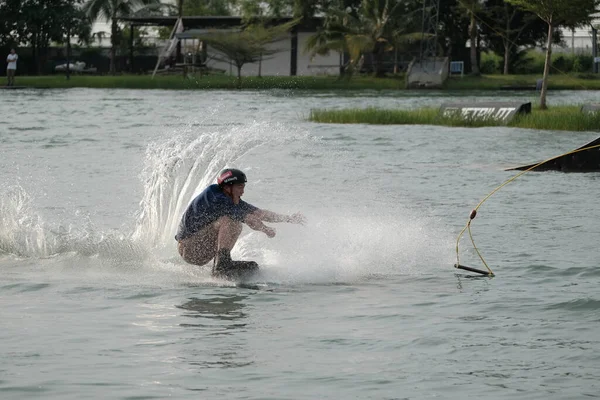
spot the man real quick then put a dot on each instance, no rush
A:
(212, 224)
(11, 67)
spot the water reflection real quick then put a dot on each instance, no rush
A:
(218, 335)
(460, 276)
(222, 308)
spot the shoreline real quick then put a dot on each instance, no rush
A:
(558, 118)
(221, 82)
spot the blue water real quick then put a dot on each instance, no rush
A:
(362, 302)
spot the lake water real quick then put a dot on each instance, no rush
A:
(362, 302)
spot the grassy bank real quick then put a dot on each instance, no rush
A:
(212, 82)
(484, 82)
(496, 82)
(567, 118)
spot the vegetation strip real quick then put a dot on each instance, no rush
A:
(564, 118)
(484, 82)
(211, 82)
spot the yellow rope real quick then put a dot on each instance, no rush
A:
(474, 211)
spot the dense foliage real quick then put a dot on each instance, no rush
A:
(372, 34)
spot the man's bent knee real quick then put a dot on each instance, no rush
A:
(193, 255)
(199, 248)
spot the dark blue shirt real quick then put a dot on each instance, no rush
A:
(209, 206)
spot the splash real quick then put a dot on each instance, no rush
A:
(178, 169)
(341, 246)
(361, 234)
(21, 231)
(175, 170)
(24, 233)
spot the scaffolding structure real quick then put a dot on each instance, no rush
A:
(429, 36)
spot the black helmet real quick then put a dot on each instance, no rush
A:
(230, 176)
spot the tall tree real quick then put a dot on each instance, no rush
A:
(110, 11)
(453, 31)
(507, 29)
(473, 8)
(374, 27)
(556, 13)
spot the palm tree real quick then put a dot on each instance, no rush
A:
(374, 29)
(112, 10)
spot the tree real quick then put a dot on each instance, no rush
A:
(556, 13)
(473, 7)
(39, 23)
(9, 10)
(204, 7)
(374, 27)
(111, 10)
(244, 46)
(507, 29)
(258, 14)
(453, 30)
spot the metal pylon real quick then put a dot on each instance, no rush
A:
(429, 38)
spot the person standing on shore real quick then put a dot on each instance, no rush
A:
(11, 67)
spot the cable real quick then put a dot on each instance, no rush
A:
(474, 212)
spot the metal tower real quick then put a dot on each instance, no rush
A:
(429, 37)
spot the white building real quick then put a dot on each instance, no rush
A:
(290, 58)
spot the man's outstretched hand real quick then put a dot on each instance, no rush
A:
(297, 218)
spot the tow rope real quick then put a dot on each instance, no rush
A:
(473, 214)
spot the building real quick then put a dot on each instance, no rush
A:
(289, 60)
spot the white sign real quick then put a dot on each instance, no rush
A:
(481, 112)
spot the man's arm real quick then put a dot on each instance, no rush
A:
(270, 216)
(254, 222)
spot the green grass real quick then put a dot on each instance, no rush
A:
(566, 118)
(376, 116)
(467, 83)
(211, 82)
(495, 82)
(563, 118)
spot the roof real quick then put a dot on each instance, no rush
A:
(200, 22)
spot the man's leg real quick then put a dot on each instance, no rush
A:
(200, 248)
(11, 77)
(229, 232)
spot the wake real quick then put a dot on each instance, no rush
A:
(341, 244)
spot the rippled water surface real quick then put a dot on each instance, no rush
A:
(362, 302)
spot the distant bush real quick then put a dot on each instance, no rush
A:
(533, 63)
(490, 63)
(588, 76)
